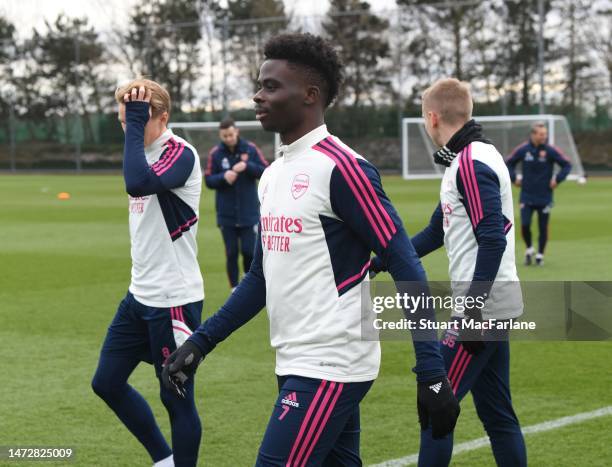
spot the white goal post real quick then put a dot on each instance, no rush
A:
(505, 131)
(205, 135)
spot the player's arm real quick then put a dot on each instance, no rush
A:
(515, 158)
(171, 171)
(357, 198)
(563, 162)
(214, 175)
(360, 201)
(479, 187)
(244, 303)
(427, 240)
(257, 163)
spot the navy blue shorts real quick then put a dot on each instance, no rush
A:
(147, 333)
(314, 422)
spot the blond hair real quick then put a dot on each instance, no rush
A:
(160, 99)
(450, 99)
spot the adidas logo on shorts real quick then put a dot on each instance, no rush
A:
(291, 400)
(436, 387)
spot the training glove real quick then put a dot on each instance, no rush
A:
(180, 366)
(437, 405)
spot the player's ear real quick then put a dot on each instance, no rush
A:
(313, 94)
(164, 118)
(435, 119)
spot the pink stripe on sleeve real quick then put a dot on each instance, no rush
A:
(358, 182)
(472, 172)
(171, 162)
(366, 182)
(355, 277)
(466, 186)
(172, 146)
(358, 196)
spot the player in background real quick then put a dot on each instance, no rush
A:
(323, 210)
(473, 220)
(164, 301)
(233, 167)
(538, 159)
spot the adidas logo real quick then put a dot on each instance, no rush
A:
(436, 387)
(291, 400)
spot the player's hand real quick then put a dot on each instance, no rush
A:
(472, 337)
(438, 406)
(239, 167)
(553, 184)
(472, 340)
(230, 176)
(140, 94)
(180, 366)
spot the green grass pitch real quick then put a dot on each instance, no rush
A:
(65, 266)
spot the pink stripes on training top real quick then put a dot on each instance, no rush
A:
(311, 429)
(507, 227)
(355, 277)
(170, 157)
(468, 178)
(362, 188)
(458, 367)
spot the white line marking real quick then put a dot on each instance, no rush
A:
(482, 442)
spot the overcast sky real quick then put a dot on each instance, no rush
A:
(26, 14)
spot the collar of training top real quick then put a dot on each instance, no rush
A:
(288, 151)
(159, 142)
(467, 134)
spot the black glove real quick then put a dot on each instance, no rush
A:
(472, 339)
(180, 366)
(437, 405)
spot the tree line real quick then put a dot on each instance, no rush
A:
(207, 53)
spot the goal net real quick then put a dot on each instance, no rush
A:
(505, 131)
(205, 135)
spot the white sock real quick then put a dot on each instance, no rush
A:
(539, 256)
(530, 251)
(167, 462)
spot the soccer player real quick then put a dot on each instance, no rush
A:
(233, 167)
(164, 301)
(473, 220)
(323, 210)
(538, 160)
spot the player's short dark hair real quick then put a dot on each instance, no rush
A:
(227, 122)
(313, 53)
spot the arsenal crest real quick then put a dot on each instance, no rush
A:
(299, 186)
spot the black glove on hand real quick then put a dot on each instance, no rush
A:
(472, 339)
(180, 366)
(437, 405)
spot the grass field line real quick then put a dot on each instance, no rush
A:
(484, 441)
